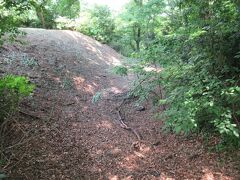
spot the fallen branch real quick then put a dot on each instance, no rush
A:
(124, 125)
(23, 141)
(28, 114)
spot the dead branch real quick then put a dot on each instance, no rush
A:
(29, 114)
(124, 125)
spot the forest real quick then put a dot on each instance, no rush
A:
(184, 56)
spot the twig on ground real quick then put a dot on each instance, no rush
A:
(6, 166)
(123, 124)
(29, 114)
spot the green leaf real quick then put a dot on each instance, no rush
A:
(96, 97)
(120, 70)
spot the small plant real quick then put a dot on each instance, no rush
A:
(12, 90)
(96, 97)
(28, 61)
(23, 59)
(120, 70)
(66, 83)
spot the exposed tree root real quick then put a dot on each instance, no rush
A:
(123, 124)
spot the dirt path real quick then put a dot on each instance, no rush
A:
(61, 134)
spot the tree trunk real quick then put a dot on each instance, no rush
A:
(137, 28)
(138, 39)
(41, 17)
(39, 11)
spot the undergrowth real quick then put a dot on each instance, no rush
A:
(12, 90)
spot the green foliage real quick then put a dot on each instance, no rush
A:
(46, 13)
(10, 18)
(199, 83)
(65, 23)
(67, 8)
(16, 84)
(120, 70)
(66, 83)
(137, 25)
(96, 97)
(12, 90)
(98, 23)
(194, 49)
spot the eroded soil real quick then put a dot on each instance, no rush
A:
(60, 134)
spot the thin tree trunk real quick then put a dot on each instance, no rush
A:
(137, 28)
(41, 17)
(39, 11)
(138, 39)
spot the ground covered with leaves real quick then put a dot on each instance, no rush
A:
(60, 133)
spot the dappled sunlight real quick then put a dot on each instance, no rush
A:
(78, 36)
(138, 154)
(210, 175)
(115, 61)
(113, 177)
(73, 71)
(111, 92)
(95, 84)
(129, 162)
(78, 81)
(99, 55)
(116, 150)
(144, 148)
(165, 177)
(104, 124)
(115, 90)
(89, 88)
(71, 33)
(57, 79)
(94, 49)
(84, 109)
(153, 69)
(80, 84)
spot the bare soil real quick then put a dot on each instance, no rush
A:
(60, 134)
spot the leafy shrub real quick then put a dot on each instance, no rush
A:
(10, 18)
(120, 70)
(197, 48)
(202, 80)
(12, 90)
(53, 14)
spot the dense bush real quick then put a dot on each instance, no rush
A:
(195, 54)
(202, 81)
(10, 19)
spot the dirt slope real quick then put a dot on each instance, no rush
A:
(60, 134)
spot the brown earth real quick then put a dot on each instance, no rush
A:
(60, 134)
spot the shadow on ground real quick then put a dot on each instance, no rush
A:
(60, 134)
